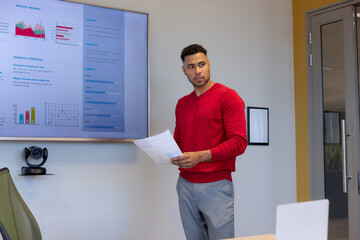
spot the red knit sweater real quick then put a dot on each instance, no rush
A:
(216, 121)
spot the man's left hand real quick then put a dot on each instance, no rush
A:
(191, 159)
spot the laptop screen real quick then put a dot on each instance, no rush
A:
(305, 220)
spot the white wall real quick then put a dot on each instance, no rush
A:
(113, 191)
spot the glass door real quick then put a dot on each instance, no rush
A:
(334, 118)
(332, 48)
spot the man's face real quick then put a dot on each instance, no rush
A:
(197, 69)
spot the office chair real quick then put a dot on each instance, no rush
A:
(16, 220)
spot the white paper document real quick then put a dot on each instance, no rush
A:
(160, 148)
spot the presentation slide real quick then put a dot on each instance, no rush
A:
(70, 70)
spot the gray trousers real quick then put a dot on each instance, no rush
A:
(206, 209)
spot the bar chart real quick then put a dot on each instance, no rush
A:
(25, 115)
(104, 105)
(67, 33)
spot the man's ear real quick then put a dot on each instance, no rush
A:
(183, 68)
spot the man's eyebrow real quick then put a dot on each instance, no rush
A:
(190, 64)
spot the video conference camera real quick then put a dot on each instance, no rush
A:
(35, 157)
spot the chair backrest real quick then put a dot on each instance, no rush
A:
(303, 221)
(17, 221)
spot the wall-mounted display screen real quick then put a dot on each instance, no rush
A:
(72, 71)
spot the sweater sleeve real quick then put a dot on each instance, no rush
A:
(234, 119)
(177, 131)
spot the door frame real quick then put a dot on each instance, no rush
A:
(345, 11)
(316, 182)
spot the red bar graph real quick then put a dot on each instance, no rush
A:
(27, 117)
(67, 33)
(64, 27)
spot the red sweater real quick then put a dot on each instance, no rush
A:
(216, 121)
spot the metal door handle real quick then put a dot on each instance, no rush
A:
(344, 162)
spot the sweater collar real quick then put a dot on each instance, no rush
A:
(213, 87)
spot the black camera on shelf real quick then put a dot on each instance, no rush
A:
(35, 157)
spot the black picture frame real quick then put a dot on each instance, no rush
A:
(258, 125)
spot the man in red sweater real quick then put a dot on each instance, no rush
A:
(210, 131)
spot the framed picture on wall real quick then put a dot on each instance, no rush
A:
(258, 125)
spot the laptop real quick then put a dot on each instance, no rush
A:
(303, 221)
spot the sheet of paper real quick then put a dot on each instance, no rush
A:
(160, 148)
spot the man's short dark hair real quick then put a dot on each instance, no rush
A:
(192, 49)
